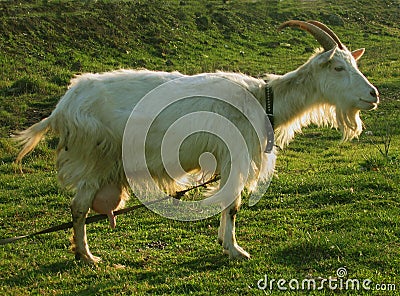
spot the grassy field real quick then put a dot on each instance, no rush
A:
(333, 205)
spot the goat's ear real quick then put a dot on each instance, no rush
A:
(357, 54)
(326, 57)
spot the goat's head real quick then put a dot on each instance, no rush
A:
(340, 82)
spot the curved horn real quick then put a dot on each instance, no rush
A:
(329, 31)
(326, 41)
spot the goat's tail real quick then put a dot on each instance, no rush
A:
(31, 137)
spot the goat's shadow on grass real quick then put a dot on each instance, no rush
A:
(206, 262)
(305, 254)
(198, 263)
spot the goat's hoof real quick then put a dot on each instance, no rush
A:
(87, 258)
(94, 260)
(236, 252)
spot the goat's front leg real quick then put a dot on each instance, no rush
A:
(79, 208)
(221, 229)
(226, 232)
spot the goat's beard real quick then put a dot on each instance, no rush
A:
(349, 122)
(345, 118)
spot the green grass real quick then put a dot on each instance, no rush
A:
(332, 205)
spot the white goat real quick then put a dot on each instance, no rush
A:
(328, 90)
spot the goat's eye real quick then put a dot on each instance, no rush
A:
(339, 68)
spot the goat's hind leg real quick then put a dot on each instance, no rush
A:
(80, 206)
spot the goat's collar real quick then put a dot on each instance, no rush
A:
(269, 103)
(269, 109)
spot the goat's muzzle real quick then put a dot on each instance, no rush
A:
(373, 101)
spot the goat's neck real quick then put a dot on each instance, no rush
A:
(294, 96)
(296, 100)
